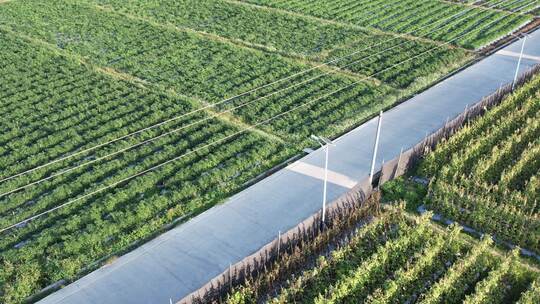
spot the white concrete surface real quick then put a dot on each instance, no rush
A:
(318, 173)
(516, 55)
(185, 258)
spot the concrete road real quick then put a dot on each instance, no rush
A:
(185, 258)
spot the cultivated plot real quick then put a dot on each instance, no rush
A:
(487, 175)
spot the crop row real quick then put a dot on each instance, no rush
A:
(396, 259)
(410, 15)
(487, 174)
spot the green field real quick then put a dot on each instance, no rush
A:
(414, 15)
(398, 258)
(487, 175)
(77, 74)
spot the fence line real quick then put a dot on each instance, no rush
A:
(285, 243)
(310, 228)
(399, 165)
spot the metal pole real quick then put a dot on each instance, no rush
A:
(519, 63)
(399, 161)
(279, 242)
(230, 276)
(466, 112)
(327, 147)
(375, 148)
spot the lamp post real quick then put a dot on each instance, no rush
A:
(325, 144)
(519, 61)
(375, 148)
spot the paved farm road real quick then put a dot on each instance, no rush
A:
(185, 258)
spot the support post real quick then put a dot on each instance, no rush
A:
(325, 144)
(325, 182)
(278, 242)
(230, 276)
(375, 148)
(398, 161)
(519, 62)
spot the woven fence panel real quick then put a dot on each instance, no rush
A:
(254, 264)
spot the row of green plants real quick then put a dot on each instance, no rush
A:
(410, 15)
(510, 7)
(486, 175)
(399, 258)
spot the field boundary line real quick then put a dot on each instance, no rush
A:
(167, 25)
(207, 108)
(237, 121)
(111, 72)
(447, 221)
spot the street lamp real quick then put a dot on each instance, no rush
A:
(519, 60)
(375, 148)
(325, 144)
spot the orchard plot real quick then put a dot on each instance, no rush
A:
(397, 259)
(488, 175)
